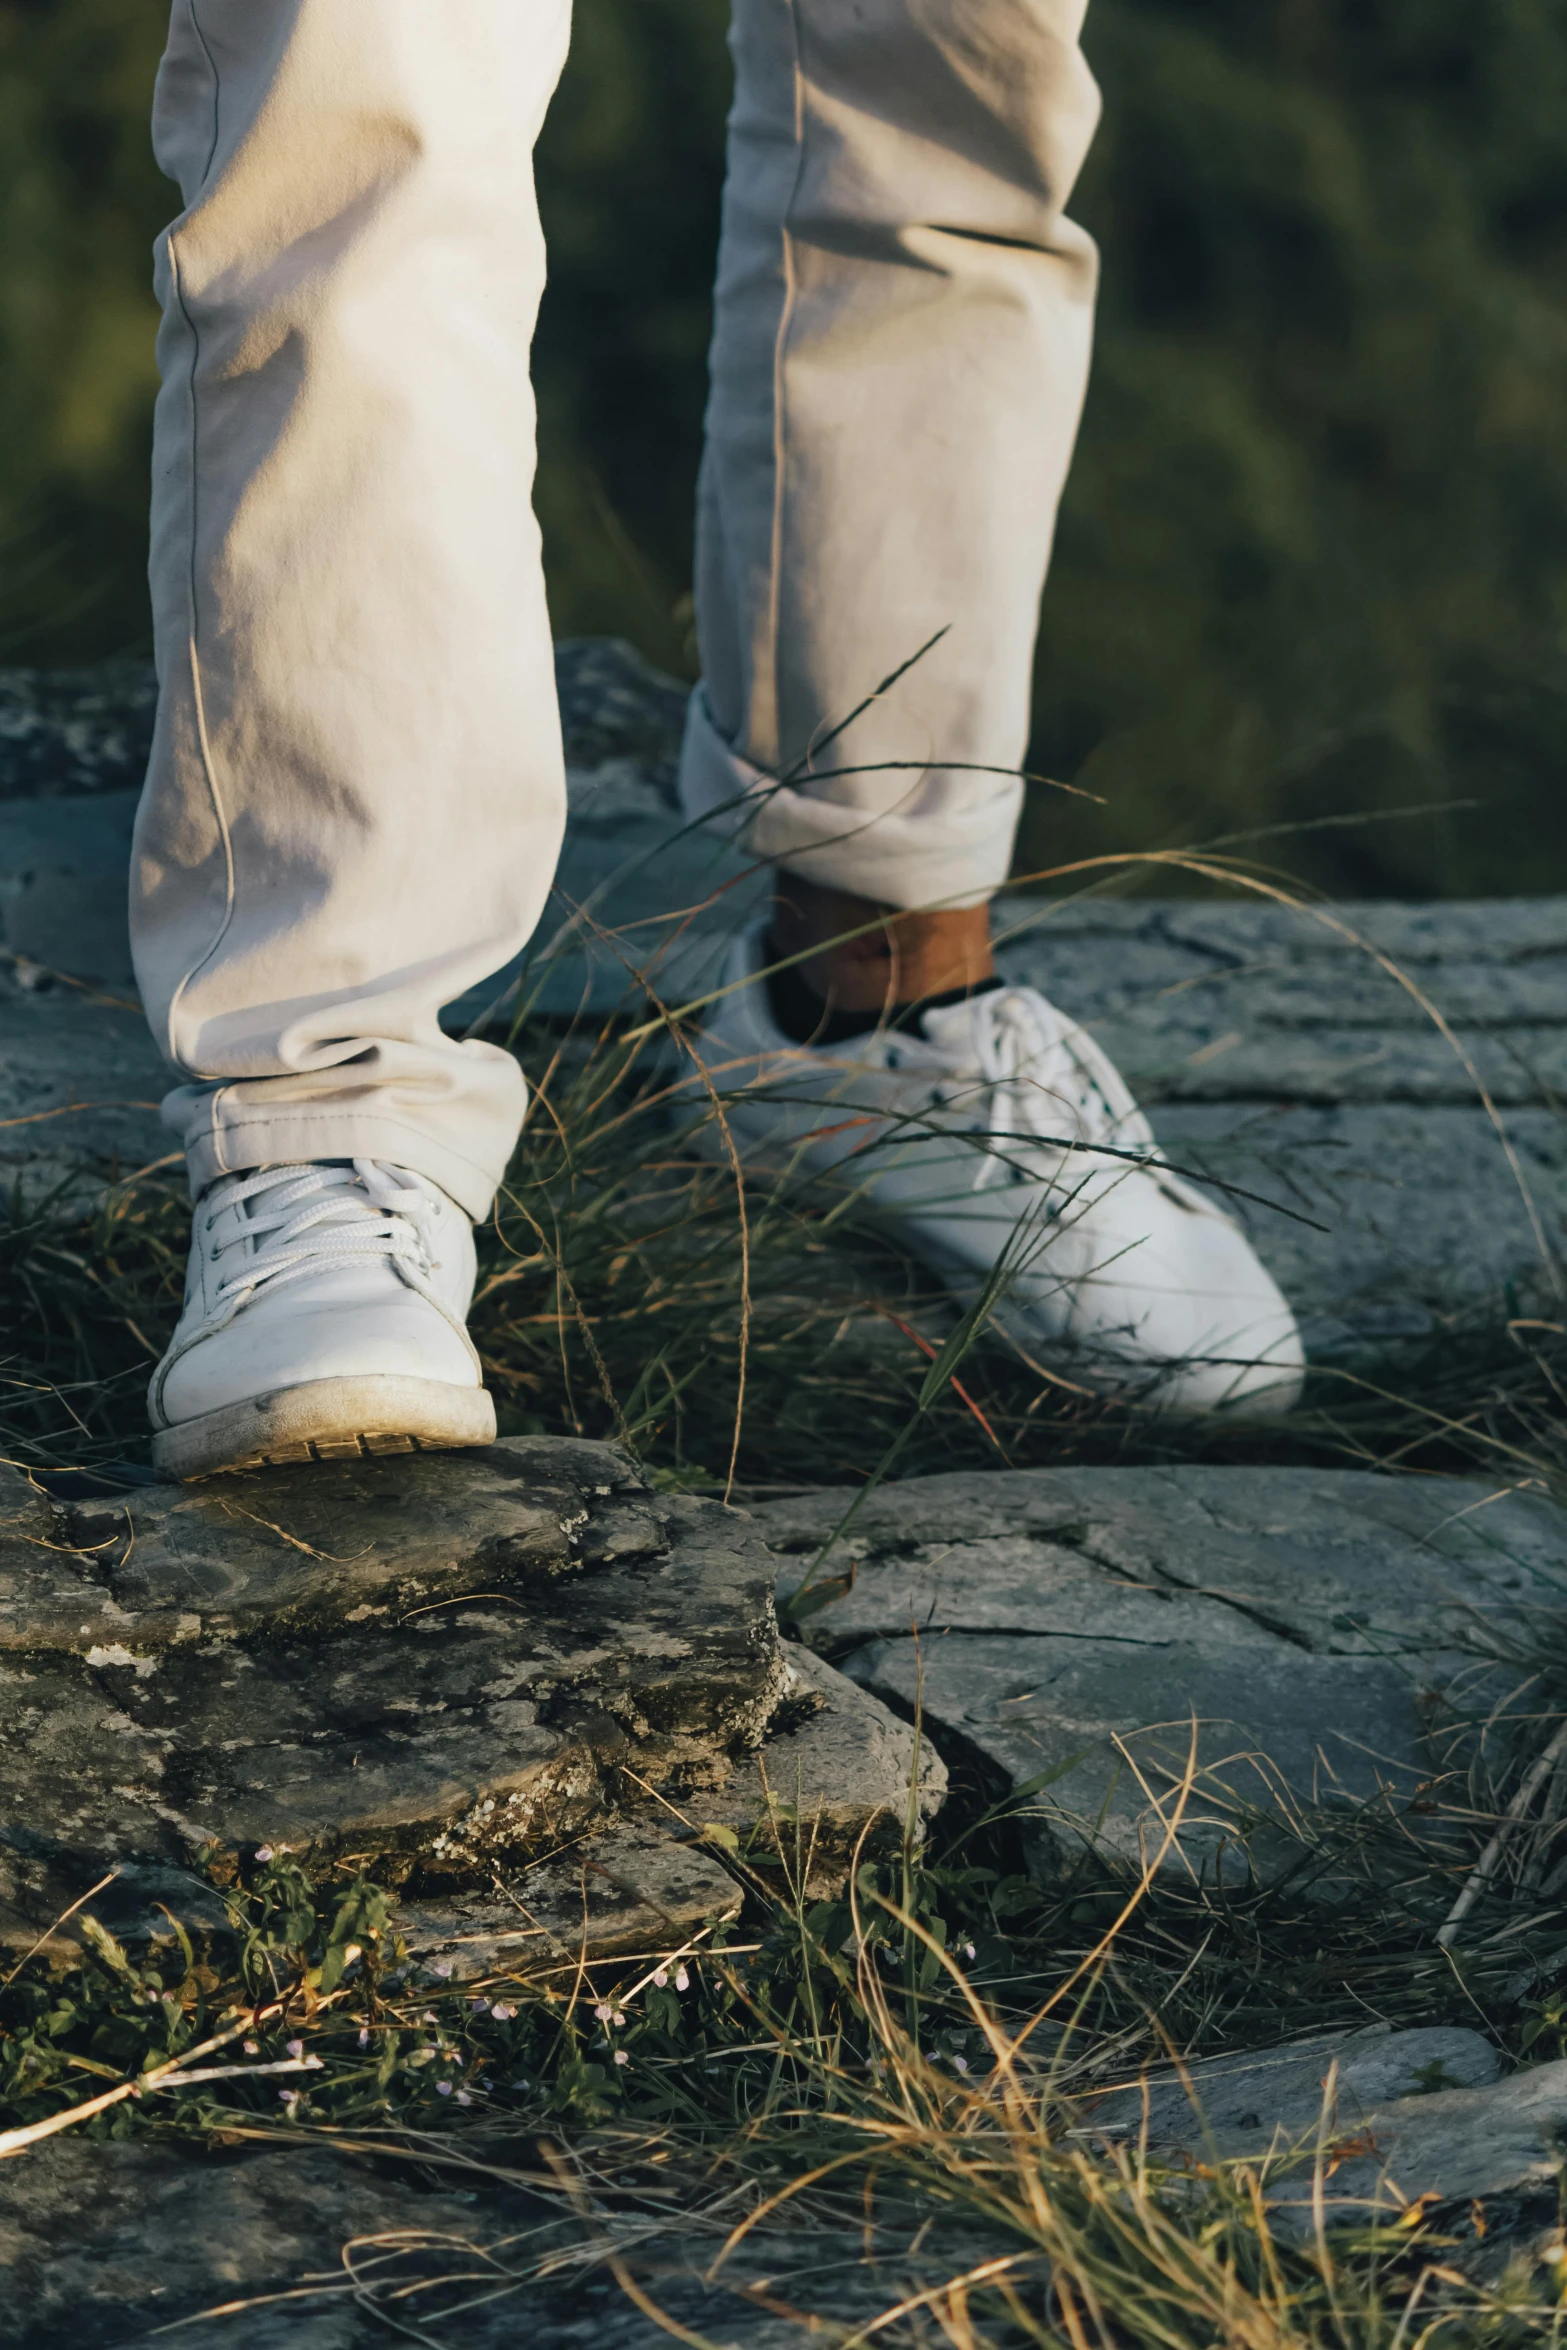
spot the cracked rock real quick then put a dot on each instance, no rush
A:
(444, 1666)
(439, 1663)
(633, 1888)
(1327, 1637)
(835, 1775)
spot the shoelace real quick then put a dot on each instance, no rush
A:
(1044, 1083)
(320, 1215)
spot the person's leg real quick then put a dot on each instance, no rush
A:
(904, 317)
(903, 331)
(356, 794)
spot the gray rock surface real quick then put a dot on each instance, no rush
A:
(836, 1773)
(1330, 1633)
(80, 1084)
(294, 2249)
(631, 1887)
(1261, 2098)
(1390, 2118)
(451, 1664)
(1458, 2146)
(64, 869)
(80, 1081)
(68, 732)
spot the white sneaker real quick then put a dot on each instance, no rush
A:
(325, 1309)
(963, 1135)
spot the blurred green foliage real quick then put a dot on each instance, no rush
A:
(1313, 560)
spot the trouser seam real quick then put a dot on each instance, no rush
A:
(198, 698)
(212, 68)
(780, 377)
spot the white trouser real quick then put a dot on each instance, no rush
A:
(356, 794)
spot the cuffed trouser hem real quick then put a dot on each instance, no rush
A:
(949, 842)
(219, 1148)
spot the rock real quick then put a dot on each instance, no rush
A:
(64, 871)
(80, 1085)
(100, 2244)
(448, 1664)
(65, 732)
(291, 2248)
(1460, 2146)
(834, 1776)
(631, 1888)
(614, 705)
(1327, 1630)
(1381, 2144)
(1259, 2098)
(73, 751)
(1391, 2118)
(443, 1661)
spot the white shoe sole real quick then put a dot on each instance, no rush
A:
(327, 1420)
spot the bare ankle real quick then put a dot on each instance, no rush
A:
(859, 956)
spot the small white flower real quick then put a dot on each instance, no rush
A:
(661, 1978)
(502, 2011)
(296, 2048)
(263, 1852)
(252, 2047)
(288, 2097)
(961, 2063)
(463, 2097)
(969, 1951)
(441, 1969)
(602, 2011)
(618, 2019)
(621, 2057)
(682, 1980)
(443, 2088)
(364, 2035)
